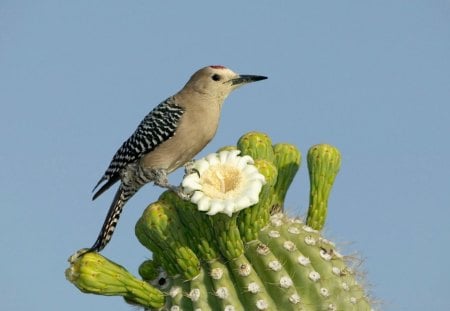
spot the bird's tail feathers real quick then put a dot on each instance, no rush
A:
(109, 182)
(111, 220)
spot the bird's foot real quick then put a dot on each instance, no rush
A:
(160, 179)
(178, 190)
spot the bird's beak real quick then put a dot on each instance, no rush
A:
(243, 79)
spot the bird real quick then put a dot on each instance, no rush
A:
(169, 137)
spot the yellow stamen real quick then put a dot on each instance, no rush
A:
(221, 181)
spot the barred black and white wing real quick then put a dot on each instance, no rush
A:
(157, 127)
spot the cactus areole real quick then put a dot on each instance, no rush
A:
(231, 246)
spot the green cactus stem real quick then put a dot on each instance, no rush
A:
(277, 279)
(316, 267)
(227, 235)
(324, 162)
(197, 227)
(254, 258)
(225, 294)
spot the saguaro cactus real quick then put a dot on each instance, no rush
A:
(235, 248)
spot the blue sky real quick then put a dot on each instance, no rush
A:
(372, 78)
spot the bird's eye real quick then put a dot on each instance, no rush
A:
(216, 77)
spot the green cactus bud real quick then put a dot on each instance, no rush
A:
(287, 160)
(160, 230)
(251, 220)
(324, 162)
(149, 270)
(93, 273)
(257, 145)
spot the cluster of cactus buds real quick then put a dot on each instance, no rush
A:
(256, 258)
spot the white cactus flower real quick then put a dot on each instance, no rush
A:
(224, 182)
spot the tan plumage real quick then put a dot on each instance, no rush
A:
(168, 137)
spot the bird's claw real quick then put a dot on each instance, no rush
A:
(162, 181)
(190, 169)
(180, 192)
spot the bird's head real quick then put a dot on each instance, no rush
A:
(218, 81)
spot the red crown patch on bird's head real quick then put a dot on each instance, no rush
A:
(218, 67)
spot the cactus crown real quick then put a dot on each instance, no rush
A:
(242, 254)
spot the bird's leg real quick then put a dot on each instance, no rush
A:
(160, 179)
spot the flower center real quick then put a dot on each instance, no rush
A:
(221, 181)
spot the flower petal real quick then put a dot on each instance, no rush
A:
(227, 183)
(212, 159)
(191, 183)
(197, 196)
(204, 204)
(201, 166)
(229, 207)
(248, 159)
(223, 156)
(215, 207)
(242, 202)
